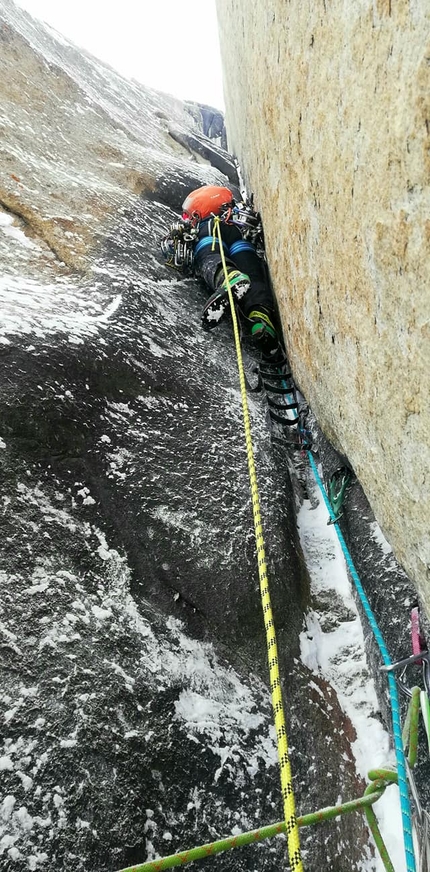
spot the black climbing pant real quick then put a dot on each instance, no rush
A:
(240, 254)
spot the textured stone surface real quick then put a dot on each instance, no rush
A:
(134, 709)
(71, 155)
(328, 112)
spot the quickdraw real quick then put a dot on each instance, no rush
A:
(337, 486)
(177, 246)
(249, 221)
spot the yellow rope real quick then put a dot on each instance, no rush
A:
(291, 826)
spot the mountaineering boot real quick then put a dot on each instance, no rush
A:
(214, 309)
(263, 332)
(218, 303)
(239, 283)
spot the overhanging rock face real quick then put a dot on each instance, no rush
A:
(328, 112)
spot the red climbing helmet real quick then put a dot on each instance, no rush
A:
(204, 201)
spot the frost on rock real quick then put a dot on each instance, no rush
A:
(332, 646)
(110, 687)
(132, 645)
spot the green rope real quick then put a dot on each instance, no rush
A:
(380, 778)
(374, 828)
(410, 728)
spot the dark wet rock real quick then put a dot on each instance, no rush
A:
(322, 735)
(199, 146)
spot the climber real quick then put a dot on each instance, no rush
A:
(195, 240)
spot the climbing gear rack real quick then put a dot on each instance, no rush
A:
(177, 246)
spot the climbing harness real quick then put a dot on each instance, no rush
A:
(248, 220)
(178, 245)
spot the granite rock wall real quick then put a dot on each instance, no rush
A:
(135, 716)
(327, 110)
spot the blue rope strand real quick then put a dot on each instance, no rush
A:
(395, 711)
